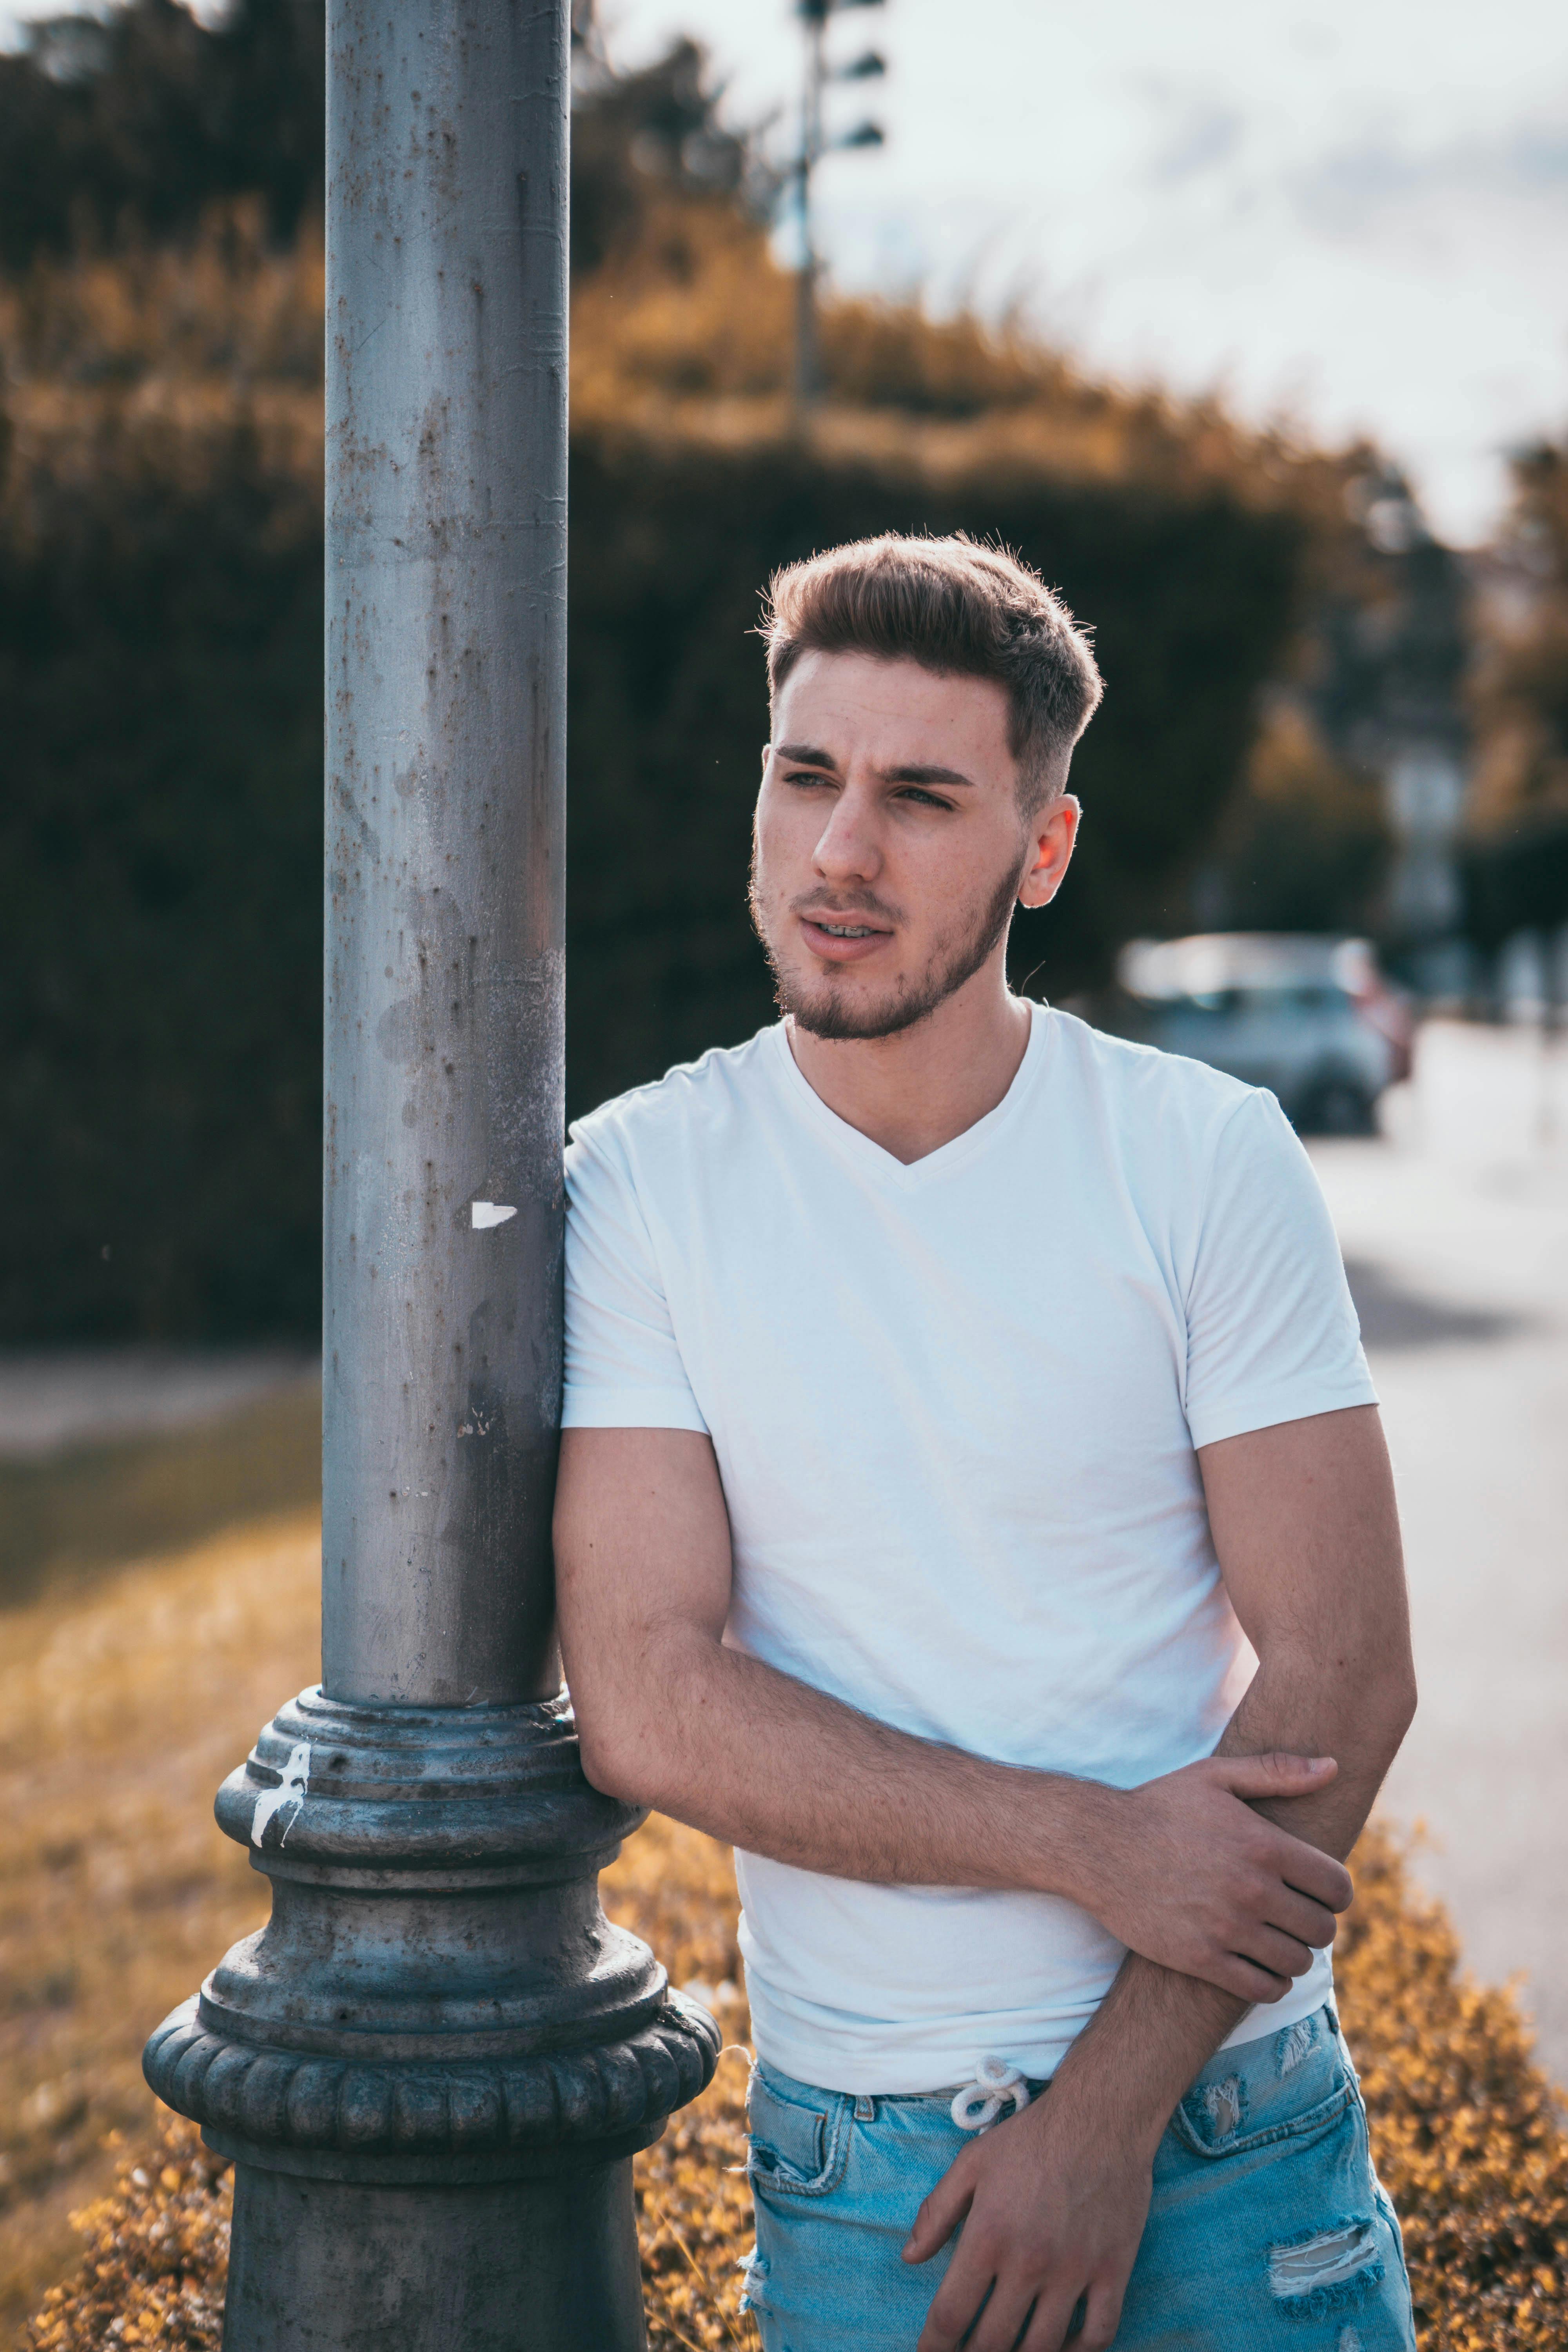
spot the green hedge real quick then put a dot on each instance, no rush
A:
(159, 709)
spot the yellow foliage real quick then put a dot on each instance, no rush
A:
(686, 332)
(157, 356)
(121, 1708)
(1464, 2131)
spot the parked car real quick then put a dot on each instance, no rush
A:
(1312, 1019)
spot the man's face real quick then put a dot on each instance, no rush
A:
(889, 845)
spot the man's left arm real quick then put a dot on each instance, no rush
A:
(1053, 2202)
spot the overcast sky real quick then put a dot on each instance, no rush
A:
(1355, 210)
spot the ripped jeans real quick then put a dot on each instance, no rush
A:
(1268, 2226)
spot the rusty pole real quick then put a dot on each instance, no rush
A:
(433, 2064)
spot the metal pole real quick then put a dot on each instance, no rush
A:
(807, 356)
(433, 2064)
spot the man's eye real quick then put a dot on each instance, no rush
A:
(806, 776)
(927, 800)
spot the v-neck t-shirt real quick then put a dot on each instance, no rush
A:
(956, 1405)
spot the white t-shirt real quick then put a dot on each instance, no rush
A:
(954, 1407)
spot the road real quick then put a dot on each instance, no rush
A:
(1455, 1229)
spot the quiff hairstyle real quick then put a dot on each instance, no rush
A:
(959, 609)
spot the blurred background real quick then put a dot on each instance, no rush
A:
(1246, 327)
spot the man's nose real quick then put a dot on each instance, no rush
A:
(847, 848)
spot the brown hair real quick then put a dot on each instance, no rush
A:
(959, 609)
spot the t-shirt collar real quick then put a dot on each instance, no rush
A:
(880, 1164)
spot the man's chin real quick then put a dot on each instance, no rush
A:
(836, 1012)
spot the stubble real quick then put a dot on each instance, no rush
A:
(826, 1008)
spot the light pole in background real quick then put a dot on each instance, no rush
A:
(814, 145)
(433, 2064)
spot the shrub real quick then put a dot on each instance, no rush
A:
(1465, 2134)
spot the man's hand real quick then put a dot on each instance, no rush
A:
(1053, 2204)
(1199, 1882)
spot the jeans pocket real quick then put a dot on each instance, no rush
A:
(799, 2138)
(1290, 2086)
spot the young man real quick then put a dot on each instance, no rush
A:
(973, 1505)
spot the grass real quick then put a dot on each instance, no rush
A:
(122, 1704)
(65, 1518)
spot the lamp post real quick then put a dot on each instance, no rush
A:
(813, 145)
(432, 2065)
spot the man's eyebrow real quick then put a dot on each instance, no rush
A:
(925, 776)
(808, 755)
(812, 755)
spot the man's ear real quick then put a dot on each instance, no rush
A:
(1053, 833)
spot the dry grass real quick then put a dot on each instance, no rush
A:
(121, 1708)
(125, 1705)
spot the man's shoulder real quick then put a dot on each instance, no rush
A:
(691, 1100)
(1148, 1096)
(1148, 1074)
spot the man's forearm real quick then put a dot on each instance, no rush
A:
(752, 1756)
(1156, 2030)
(1179, 1868)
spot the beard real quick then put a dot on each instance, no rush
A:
(825, 1009)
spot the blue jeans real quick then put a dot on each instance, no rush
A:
(1268, 2225)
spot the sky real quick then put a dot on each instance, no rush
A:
(1354, 213)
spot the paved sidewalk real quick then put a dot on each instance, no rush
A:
(52, 1399)
(1455, 1228)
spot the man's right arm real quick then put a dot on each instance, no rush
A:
(1182, 1869)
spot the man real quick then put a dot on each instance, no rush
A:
(973, 1505)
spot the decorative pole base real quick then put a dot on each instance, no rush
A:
(505, 2267)
(437, 2002)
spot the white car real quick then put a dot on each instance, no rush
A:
(1310, 1018)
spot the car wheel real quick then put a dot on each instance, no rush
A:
(1338, 1106)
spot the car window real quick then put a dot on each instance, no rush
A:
(1305, 997)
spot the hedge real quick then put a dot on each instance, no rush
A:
(1465, 2131)
(160, 700)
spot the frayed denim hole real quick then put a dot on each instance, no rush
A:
(1320, 2271)
(1296, 2043)
(754, 2269)
(1218, 2110)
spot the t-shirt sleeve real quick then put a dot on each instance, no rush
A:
(623, 1364)
(1272, 1334)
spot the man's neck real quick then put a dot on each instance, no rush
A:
(913, 1092)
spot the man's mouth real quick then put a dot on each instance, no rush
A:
(842, 938)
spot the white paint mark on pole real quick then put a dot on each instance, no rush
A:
(290, 1790)
(489, 1213)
